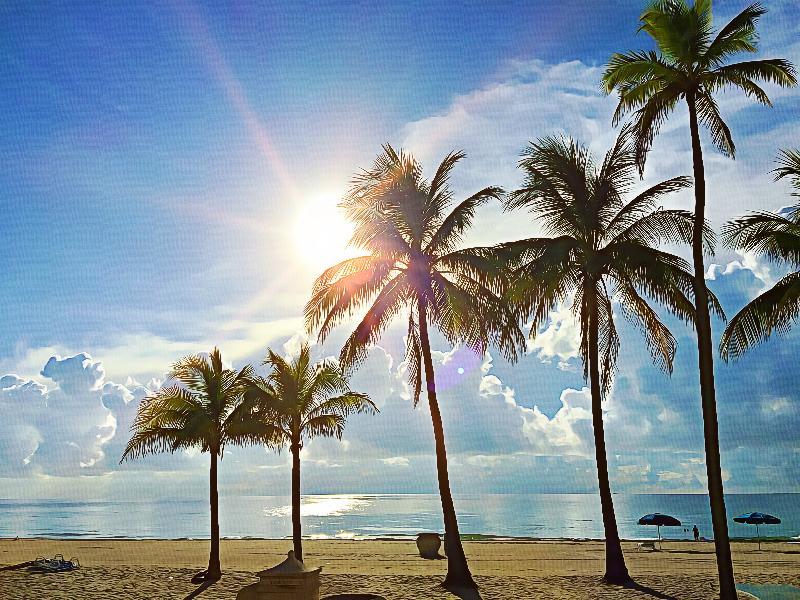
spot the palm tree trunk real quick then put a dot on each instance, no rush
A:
(705, 350)
(214, 569)
(297, 536)
(616, 571)
(458, 574)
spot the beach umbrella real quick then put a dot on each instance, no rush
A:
(659, 521)
(757, 518)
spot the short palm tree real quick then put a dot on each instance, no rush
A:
(602, 247)
(690, 65)
(776, 236)
(301, 401)
(203, 409)
(410, 236)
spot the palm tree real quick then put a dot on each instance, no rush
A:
(412, 263)
(690, 65)
(602, 247)
(203, 409)
(776, 236)
(303, 401)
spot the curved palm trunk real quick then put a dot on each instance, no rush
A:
(705, 350)
(458, 574)
(616, 571)
(214, 569)
(297, 536)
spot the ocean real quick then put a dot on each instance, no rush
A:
(357, 516)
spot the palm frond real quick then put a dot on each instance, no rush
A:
(651, 116)
(555, 185)
(689, 63)
(643, 204)
(459, 220)
(664, 226)
(739, 35)
(344, 405)
(774, 311)
(608, 339)
(637, 67)
(777, 71)
(439, 193)
(298, 400)
(386, 306)
(156, 440)
(329, 425)
(333, 301)
(774, 236)
(680, 31)
(400, 219)
(660, 342)
(413, 358)
(789, 166)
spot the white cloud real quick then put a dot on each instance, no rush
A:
(560, 339)
(59, 431)
(568, 431)
(22, 402)
(396, 461)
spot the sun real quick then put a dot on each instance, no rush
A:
(321, 233)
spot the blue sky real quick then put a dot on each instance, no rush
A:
(166, 167)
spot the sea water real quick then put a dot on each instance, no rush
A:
(356, 516)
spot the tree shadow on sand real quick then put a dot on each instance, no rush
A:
(200, 589)
(649, 591)
(21, 565)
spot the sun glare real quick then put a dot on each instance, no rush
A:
(321, 233)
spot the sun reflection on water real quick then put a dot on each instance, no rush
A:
(323, 506)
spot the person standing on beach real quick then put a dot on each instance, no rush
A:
(696, 533)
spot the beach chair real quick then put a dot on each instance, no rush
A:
(649, 546)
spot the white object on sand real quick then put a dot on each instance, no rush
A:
(290, 580)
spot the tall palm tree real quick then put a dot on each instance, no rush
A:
(690, 65)
(602, 247)
(302, 401)
(776, 236)
(410, 237)
(203, 409)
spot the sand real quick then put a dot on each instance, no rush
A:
(503, 569)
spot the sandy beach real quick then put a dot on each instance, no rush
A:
(504, 569)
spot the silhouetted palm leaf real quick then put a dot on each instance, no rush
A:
(777, 238)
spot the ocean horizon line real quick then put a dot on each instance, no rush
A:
(146, 500)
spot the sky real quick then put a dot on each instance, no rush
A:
(169, 174)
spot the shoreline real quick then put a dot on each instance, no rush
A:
(556, 570)
(478, 537)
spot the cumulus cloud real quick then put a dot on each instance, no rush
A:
(560, 339)
(61, 430)
(487, 430)
(21, 403)
(77, 426)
